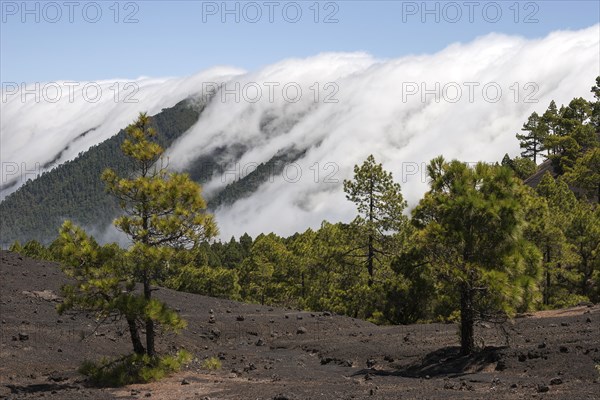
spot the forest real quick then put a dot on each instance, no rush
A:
(484, 243)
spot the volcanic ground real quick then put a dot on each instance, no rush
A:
(272, 353)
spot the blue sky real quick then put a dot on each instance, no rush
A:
(60, 41)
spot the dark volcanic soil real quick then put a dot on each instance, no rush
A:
(274, 353)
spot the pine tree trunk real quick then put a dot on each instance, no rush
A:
(138, 348)
(467, 334)
(149, 323)
(370, 251)
(370, 257)
(548, 282)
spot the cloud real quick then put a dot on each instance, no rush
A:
(376, 113)
(49, 123)
(365, 105)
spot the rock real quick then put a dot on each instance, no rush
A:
(564, 349)
(513, 386)
(260, 342)
(57, 377)
(542, 345)
(215, 332)
(564, 324)
(588, 320)
(298, 317)
(501, 365)
(327, 314)
(542, 388)
(240, 318)
(371, 363)
(211, 319)
(23, 336)
(343, 363)
(553, 325)
(556, 381)
(185, 382)
(301, 331)
(250, 367)
(283, 397)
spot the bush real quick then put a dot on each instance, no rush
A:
(212, 364)
(134, 368)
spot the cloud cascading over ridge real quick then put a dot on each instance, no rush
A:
(46, 126)
(377, 112)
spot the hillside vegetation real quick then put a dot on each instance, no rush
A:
(512, 247)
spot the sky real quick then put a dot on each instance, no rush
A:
(45, 41)
(404, 81)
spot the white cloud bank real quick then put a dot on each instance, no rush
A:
(377, 112)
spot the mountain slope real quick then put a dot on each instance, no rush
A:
(74, 190)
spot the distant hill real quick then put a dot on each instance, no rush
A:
(74, 190)
(544, 167)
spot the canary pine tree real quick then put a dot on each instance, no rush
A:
(470, 231)
(380, 204)
(163, 212)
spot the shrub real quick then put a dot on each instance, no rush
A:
(212, 364)
(134, 368)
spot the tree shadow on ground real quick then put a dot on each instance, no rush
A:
(40, 388)
(444, 362)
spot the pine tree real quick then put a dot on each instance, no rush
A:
(471, 233)
(380, 205)
(163, 212)
(533, 140)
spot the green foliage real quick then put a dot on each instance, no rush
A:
(33, 249)
(523, 167)
(208, 281)
(411, 292)
(533, 141)
(481, 245)
(134, 368)
(380, 205)
(471, 224)
(73, 191)
(164, 212)
(585, 174)
(212, 364)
